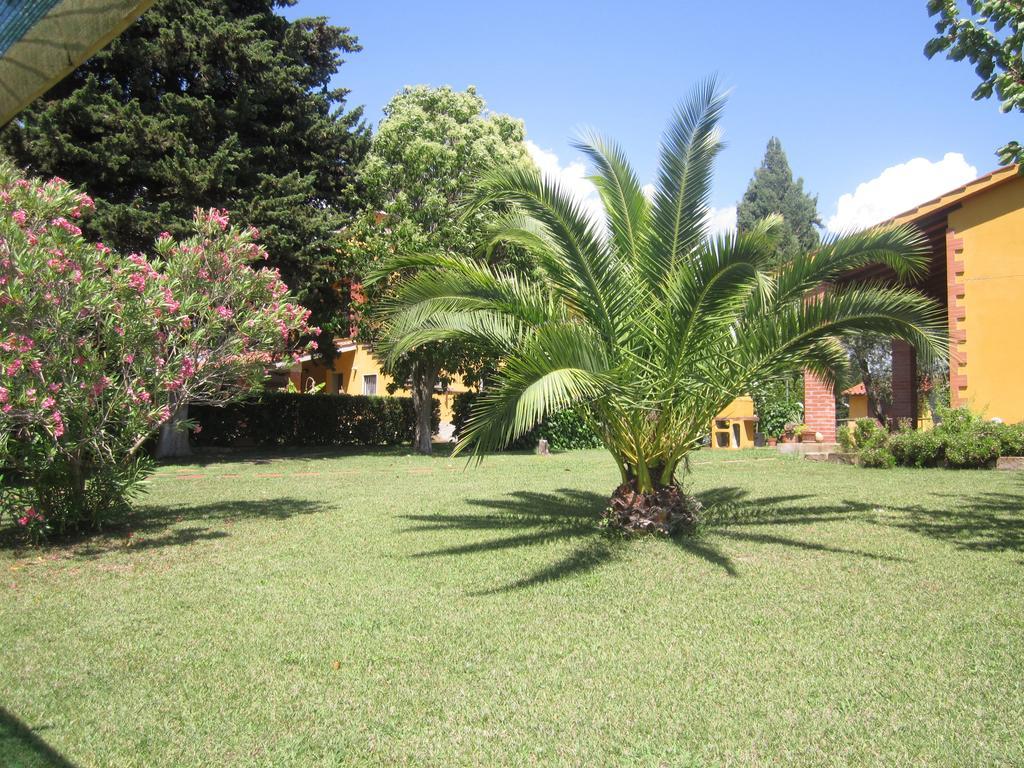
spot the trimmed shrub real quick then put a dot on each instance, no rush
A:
(971, 450)
(918, 448)
(1010, 437)
(565, 431)
(282, 419)
(874, 450)
(864, 430)
(845, 438)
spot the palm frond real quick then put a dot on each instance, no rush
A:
(684, 178)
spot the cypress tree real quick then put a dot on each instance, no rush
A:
(211, 103)
(773, 190)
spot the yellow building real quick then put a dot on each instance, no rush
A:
(735, 426)
(976, 272)
(857, 399)
(356, 371)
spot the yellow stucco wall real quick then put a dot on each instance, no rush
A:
(350, 369)
(991, 226)
(735, 421)
(858, 407)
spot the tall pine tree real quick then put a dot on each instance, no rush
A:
(211, 103)
(773, 190)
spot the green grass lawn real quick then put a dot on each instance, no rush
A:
(394, 610)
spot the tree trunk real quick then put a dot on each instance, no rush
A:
(665, 510)
(173, 442)
(874, 406)
(424, 374)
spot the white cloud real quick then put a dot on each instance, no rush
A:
(572, 177)
(721, 220)
(899, 188)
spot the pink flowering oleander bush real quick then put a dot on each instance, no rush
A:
(98, 349)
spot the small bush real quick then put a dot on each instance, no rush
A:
(917, 448)
(864, 430)
(1010, 437)
(287, 420)
(971, 450)
(567, 430)
(874, 450)
(845, 438)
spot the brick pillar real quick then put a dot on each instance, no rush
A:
(819, 407)
(904, 384)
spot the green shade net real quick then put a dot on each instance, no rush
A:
(19, 16)
(41, 41)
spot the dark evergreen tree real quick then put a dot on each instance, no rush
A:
(773, 190)
(211, 103)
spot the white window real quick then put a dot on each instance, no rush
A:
(370, 385)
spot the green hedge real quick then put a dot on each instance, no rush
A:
(565, 431)
(288, 419)
(961, 441)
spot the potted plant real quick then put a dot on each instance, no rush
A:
(803, 434)
(788, 432)
(772, 441)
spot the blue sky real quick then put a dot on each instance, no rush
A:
(844, 85)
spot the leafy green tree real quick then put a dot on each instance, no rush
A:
(773, 190)
(653, 326)
(210, 103)
(991, 37)
(430, 148)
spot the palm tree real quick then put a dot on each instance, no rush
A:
(648, 323)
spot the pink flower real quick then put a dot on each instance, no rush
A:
(129, 358)
(218, 217)
(4, 394)
(138, 282)
(13, 368)
(102, 248)
(101, 384)
(67, 226)
(35, 366)
(19, 217)
(58, 425)
(224, 312)
(169, 302)
(197, 429)
(48, 403)
(23, 521)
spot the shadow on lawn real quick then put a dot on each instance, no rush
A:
(149, 528)
(22, 746)
(526, 518)
(988, 522)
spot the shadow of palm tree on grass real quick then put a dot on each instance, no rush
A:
(22, 747)
(988, 522)
(527, 518)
